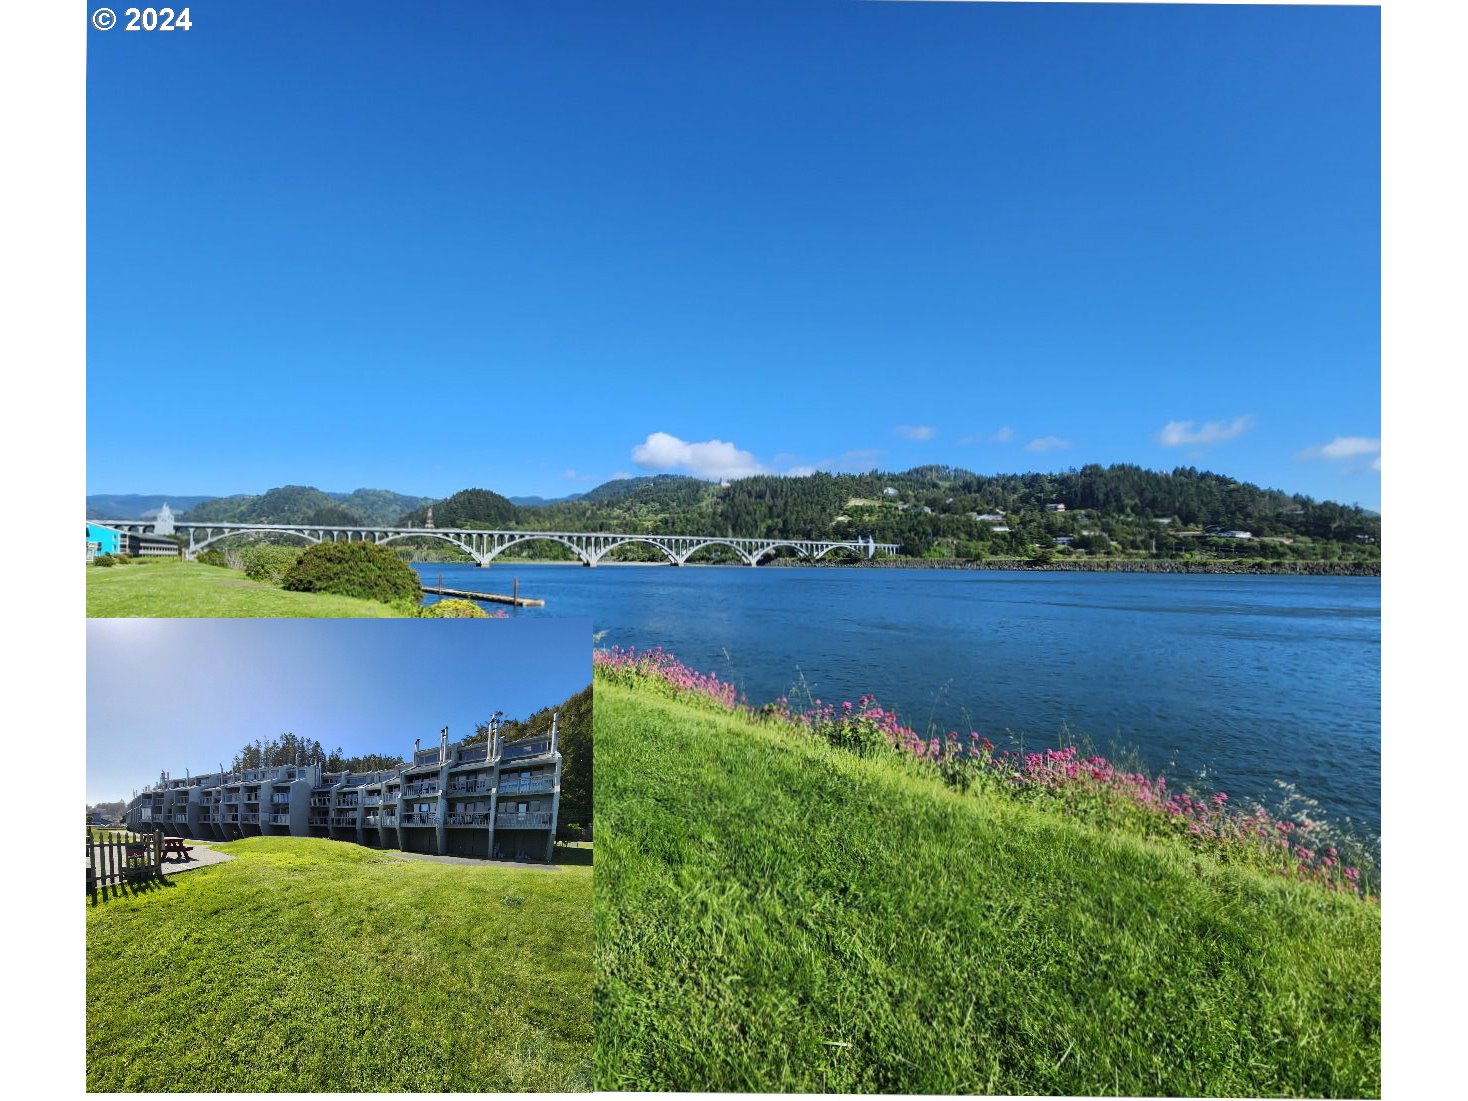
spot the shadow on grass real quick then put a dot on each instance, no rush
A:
(128, 888)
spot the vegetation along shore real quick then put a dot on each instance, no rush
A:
(821, 899)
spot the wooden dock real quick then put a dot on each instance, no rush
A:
(492, 598)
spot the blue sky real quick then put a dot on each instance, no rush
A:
(182, 694)
(530, 247)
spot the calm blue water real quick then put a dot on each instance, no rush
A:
(1231, 681)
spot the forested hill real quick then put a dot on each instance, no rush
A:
(1114, 508)
(931, 511)
(307, 505)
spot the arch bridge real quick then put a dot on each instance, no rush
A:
(485, 546)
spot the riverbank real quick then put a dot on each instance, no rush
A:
(170, 588)
(779, 914)
(1104, 565)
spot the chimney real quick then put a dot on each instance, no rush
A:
(443, 745)
(415, 746)
(555, 729)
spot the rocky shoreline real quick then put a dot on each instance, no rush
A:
(1134, 565)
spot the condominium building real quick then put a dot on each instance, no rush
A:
(494, 799)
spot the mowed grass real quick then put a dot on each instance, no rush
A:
(168, 588)
(774, 914)
(312, 965)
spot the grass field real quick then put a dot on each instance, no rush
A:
(312, 965)
(172, 588)
(776, 914)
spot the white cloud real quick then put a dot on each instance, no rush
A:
(1350, 451)
(569, 474)
(1046, 443)
(1183, 433)
(916, 431)
(713, 459)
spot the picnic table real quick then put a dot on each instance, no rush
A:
(174, 847)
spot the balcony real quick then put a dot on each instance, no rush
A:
(470, 754)
(527, 787)
(280, 800)
(348, 820)
(372, 820)
(372, 800)
(413, 818)
(253, 818)
(417, 791)
(389, 819)
(316, 820)
(469, 787)
(349, 802)
(280, 819)
(531, 820)
(469, 819)
(322, 801)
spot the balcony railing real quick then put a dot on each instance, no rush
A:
(389, 819)
(372, 820)
(371, 800)
(415, 790)
(280, 819)
(347, 801)
(531, 820)
(280, 800)
(472, 819)
(526, 787)
(469, 787)
(253, 817)
(316, 820)
(321, 800)
(344, 820)
(413, 818)
(470, 754)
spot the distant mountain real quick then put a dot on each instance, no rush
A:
(537, 502)
(307, 505)
(138, 506)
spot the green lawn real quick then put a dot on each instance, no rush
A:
(774, 914)
(312, 965)
(172, 588)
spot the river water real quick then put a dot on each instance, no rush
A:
(1233, 682)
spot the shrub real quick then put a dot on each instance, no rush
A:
(452, 609)
(212, 557)
(104, 560)
(363, 570)
(123, 558)
(268, 563)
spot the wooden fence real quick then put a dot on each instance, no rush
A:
(120, 858)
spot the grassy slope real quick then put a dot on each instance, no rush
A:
(168, 588)
(772, 914)
(311, 965)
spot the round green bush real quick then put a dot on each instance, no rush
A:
(212, 556)
(268, 563)
(363, 570)
(104, 560)
(452, 609)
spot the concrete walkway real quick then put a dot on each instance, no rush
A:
(202, 856)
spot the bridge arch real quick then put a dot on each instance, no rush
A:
(856, 551)
(743, 554)
(194, 548)
(649, 540)
(465, 547)
(528, 537)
